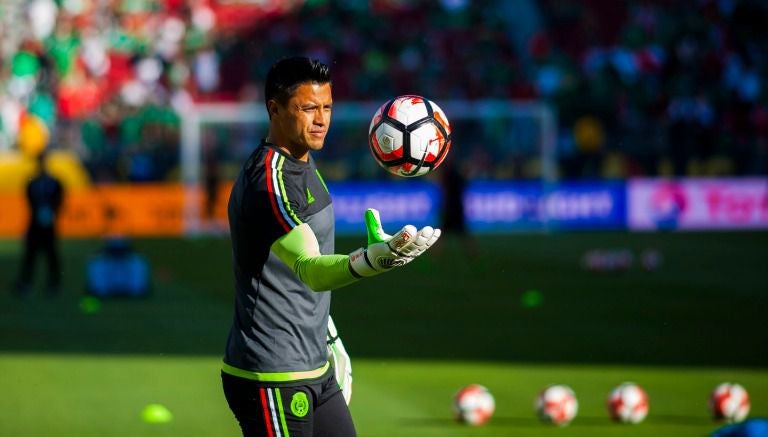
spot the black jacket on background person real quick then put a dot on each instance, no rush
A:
(44, 196)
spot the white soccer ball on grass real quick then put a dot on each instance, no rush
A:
(557, 404)
(628, 403)
(473, 405)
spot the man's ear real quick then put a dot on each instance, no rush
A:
(272, 107)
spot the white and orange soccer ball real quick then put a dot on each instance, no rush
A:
(729, 402)
(473, 405)
(628, 403)
(409, 136)
(557, 404)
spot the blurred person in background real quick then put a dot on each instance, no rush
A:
(276, 375)
(453, 217)
(44, 196)
(212, 179)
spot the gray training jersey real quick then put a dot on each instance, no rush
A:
(279, 324)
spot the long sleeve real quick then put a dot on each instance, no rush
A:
(300, 251)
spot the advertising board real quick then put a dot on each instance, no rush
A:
(697, 204)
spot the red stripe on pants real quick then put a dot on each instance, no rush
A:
(267, 416)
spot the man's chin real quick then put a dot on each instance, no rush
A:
(316, 145)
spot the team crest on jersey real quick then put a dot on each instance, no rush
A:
(299, 404)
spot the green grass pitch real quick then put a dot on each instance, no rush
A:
(416, 336)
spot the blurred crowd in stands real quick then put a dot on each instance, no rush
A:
(641, 87)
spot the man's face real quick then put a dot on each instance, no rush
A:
(301, 125)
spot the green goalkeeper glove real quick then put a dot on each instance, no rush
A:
(385, 252)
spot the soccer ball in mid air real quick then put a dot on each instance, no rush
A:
(473, 405)
(628, 403)
(557, 404)
(409, 136)
(729, 402)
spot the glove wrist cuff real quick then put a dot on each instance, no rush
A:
(360, 265)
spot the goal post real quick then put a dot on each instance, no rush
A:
(503, 126)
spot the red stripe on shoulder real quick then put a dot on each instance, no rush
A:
(272, 192)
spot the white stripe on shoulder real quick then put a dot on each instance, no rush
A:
(279, 192)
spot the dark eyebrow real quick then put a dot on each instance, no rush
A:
(314, 105)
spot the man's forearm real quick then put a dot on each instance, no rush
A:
(300, 251)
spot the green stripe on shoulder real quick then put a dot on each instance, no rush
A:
(322, 181)
(283, 193)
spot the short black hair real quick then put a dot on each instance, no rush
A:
(287, 74)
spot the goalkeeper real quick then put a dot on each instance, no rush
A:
(276, 374)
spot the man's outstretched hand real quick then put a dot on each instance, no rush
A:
(385, 252)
